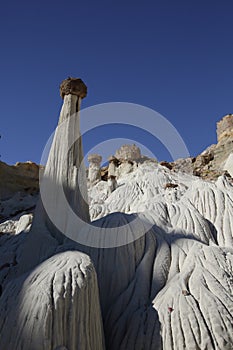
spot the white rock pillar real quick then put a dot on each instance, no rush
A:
(112, 167)
(94, 174)
(64, 185)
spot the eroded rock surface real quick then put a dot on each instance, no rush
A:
(94, 174)
(153, 270)
(21, 177)
(55, 304)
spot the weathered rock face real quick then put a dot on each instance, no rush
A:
(21, 177)
(173, 268)
(181, 165)
(18, 225)
(112, 167)
(215, 156)
(128, 152)
(118, 167)
(73, 86)
(168, 285)
(210, 164)
(225, 127)
(19, 188)
(228, 166)
(94, 174)
(126, 167)
(56, 304)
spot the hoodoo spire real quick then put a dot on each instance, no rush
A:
(64, 166)
(64, 186)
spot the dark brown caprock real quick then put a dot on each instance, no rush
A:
(73, 86)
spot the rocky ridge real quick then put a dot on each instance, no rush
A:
(216, 159)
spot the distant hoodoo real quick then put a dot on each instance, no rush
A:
(94, 174)
(128, 152)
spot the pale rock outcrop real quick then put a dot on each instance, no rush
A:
(19, 224)
(228, 166)
(128, 152)
(51, 299)
(225, 127)
(202, 209)
(112, 166)
(64, 171)
(183, 165)
(216, 156)
(55, 304)
(126, 167)
(163, 259)
(210, 164)
(24, 223)
(179, 296)
(128, 156)
(21, 177)
(172, 295)
(94, 174)
(8, 226)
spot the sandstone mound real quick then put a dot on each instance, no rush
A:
(55, 304)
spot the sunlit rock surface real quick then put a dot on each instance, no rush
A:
(152, 269)
(55, 304)
(171, 288)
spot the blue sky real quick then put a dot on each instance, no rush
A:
(172, 56)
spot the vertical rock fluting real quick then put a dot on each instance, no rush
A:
(51, 300)
(64, 166)
(169, 288)
(63, 186)
(55, 307)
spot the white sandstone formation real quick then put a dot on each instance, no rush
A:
(17, 225)
(112, 183)
(24, 223)
(128, 156)
(48, 303)
(228, 166)
(63, 180)
(94, 174)
(160, 278)
(180, 290)
(112, 166)
(126, 167)
(128, 152)
(56, 304)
